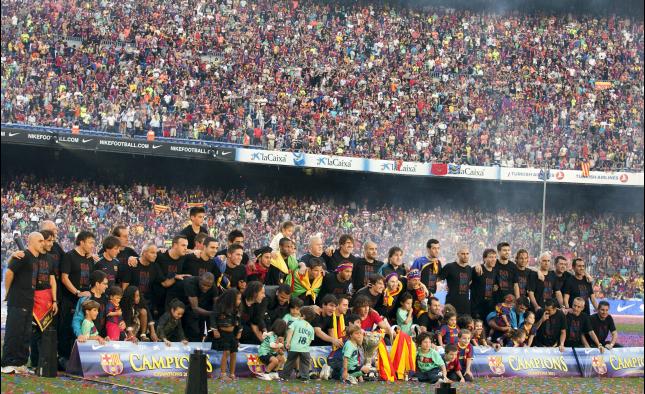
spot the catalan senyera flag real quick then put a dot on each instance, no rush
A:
(384, 367)
(602, 85)
(158, 208)
(585, 168)
(195, 204)
(403, 355)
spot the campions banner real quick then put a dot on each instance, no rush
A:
(615, 363)
(524, 362)
(155, 359)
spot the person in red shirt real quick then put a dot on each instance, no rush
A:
(453, 368)
(465, 354)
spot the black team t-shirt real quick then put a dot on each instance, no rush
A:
(602, 328)
(56, 254)
(41, 272)
(126, 253)
(458, 279)
(549, 332)
(577, 326)
(21, 292)
(362, 271)
(196, 266)
(506, 277)
(79, 269)
(331, 285)
(204, 299)
(169, 266)
(337, 259)
(111, 269)
(523, 278)
(235, 275)
(578, 288)
(560, 281)
(543, 290)
(482, 289)
(141, 276)
(375, 300)
(324, 323)
(190, 234)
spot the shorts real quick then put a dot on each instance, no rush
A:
(226, 342)
(266, 359)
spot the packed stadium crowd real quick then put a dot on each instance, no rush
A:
(437, 85)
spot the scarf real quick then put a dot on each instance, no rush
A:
(388, 297)
(338, 327)
(434, 264)
(300, 284)
(285, 267)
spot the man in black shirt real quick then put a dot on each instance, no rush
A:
(277, 304)
(578, 286)
(76, 267)
(109, 262)
(125, 251)
(458, 276)
(235, 271)
(45, 292)
(603, 325)
(199, 295)
(195, 266)
(337, 283)
(579, 327)
(373, 291)
(143, 275)
(324, 322)
(171, 264)
(550, 326)
(506, 272)
(342, 254)
(483, 286)
(541, 290)
(56, 253)
(315, 250)
(235, 237)
(523, 275)
(20, 285)
(365, 266)
(431, 320)
(196, 226)
(252, 312)
(429, 265)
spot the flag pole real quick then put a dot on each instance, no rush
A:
(544, 179)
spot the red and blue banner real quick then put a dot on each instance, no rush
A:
(155, 359)
(616, 363)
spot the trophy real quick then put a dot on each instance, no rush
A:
(371, 341)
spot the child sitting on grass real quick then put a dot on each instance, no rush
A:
(430, 366)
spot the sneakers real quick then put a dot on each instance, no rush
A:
(352, 380)
(274, 376)
(325, 372)
(264, 376)
(21, 370)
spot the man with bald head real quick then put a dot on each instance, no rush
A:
(365, 266)
(20, 302)
(316, 249)
(458, 276)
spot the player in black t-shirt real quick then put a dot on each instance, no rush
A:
(196, 226)
(143, 275)
(76, 267)
(252, 312)
(235, 272)
(365, 266)
(483, 286)
(235, 237)
(431, 321)
(506, 272)
(333, 258)
(373, 291)
(603, 325)
(199, 294)
(523, 275)
(541, 290)
(109, 263)
(338, 282)
(578, 286)
(195, 266)
(20, 283)
(125, 251)
(325, 321)
(579, 327)
(171, 264)
(458, 276)
(550, 326)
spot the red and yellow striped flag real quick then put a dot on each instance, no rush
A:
(158, 208)
(585, 168)
(403, 355)
(195, 204)
(384, 367)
